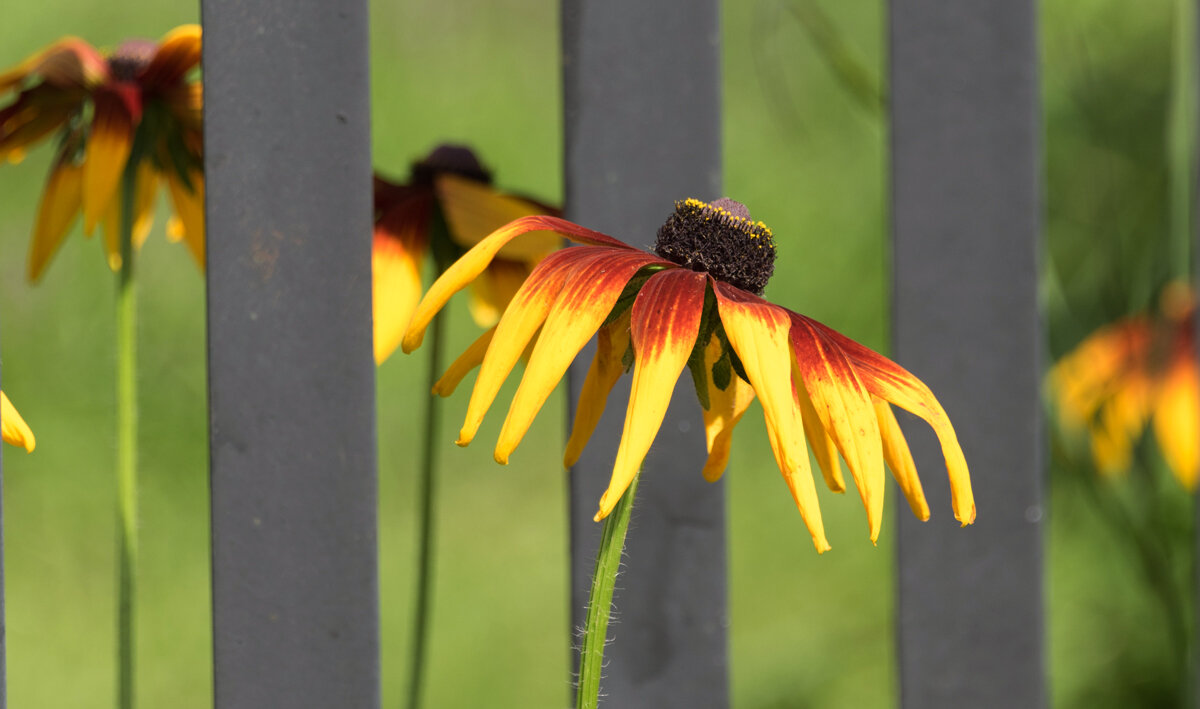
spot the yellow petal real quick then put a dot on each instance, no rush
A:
(57, 211)
(494, 290)
(472, 263)
(664, 323)
(108, 148)
(900, 461)
(758, 333)
(145, 191)
(1086, 377)
(468, 360)
(516, 328)
(178, 53)
(823, 447)
(725, 409)
(189, 206)
(68, 63)
(1177, 420)
(590, 291)
(14, 429)
(395, 288)
(844, 407)
(889, 381)
(474, 209)
(612, 341)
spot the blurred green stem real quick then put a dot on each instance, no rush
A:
(127, 493)
(1181, 143)
(604, 578)
(1153, 554)
(425, 495)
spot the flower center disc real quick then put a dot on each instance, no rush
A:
(454, 159)
(128, 60)
(718, 238)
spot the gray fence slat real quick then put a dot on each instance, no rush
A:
(641, 93)
(966, 219)
(291, 373)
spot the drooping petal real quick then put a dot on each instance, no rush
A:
(823, 447)
(664, 323)
(14, 429)
(899, 459)
(516, 328)
(395, 288)
(57, 211)
(35, 114)
(145, 191)
(69, 63)
(844, 407)
(494, 289)
(1081, 381)
(1177, 420)
(588, 295)
(475, 209)
(612, 341)
(108, 148)
(189, 208)
(468, 360)
(178, 53)
(725, 409)
(1120, 422)
(891, 382)
(758, 333)
(472, 263)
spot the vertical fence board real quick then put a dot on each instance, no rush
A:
(642, 130)
(291, 373)
(965, 218)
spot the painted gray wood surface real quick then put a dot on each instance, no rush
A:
(966, 217)
(291, 372)
(642, 130)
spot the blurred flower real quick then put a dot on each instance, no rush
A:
(136, 103)
(448, 189)
(1128, 372)
(13, 428)
(695, 307)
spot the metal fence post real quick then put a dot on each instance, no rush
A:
(291, 374)
(642, 130)
(966, 218)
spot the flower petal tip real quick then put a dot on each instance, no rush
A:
(501, 458)
(412, 341)
(968, 518)
(821, 545)
(463, 441)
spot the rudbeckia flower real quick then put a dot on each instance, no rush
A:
(694, 303)
(447, 206)
(136, 103)
(13, 428)
(1129, 372)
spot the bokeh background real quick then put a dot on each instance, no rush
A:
(805, 147)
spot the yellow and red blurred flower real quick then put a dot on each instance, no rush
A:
(448, 205)
(696, 304)
(1129, 372)
(138, 105)
(13, 428)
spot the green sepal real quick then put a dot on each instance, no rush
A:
(700, 379)
(629, 293)
(722, 371)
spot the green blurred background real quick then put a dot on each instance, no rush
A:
(805, 148)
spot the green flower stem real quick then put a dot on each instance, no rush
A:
(604, 578)
(425, 512)
(127, 493)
